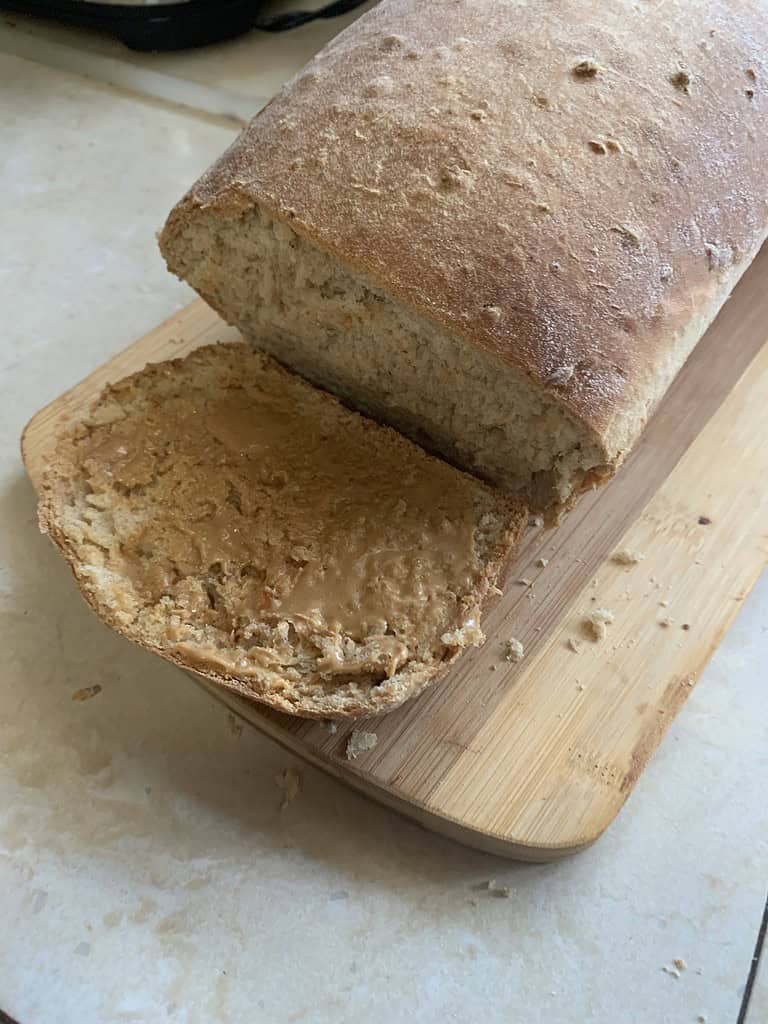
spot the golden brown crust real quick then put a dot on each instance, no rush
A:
(582, 225)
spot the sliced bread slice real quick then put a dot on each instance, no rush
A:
(225, 514)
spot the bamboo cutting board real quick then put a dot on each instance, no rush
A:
(533, 760)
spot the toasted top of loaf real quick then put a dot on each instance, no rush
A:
(574, 187)
(223, 513)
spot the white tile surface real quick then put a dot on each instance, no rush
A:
(147, 872)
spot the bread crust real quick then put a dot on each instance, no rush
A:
(575, 189)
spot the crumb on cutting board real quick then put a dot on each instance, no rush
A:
(513, 650)
(595, 623)
(627, 556)
(524, 581)
(359, 742)
(573, 645)
(542, 563)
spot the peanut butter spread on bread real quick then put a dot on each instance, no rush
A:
(252, 527)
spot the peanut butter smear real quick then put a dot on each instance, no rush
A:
(262, 518)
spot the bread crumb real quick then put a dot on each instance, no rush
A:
(542, 563)
(514, 650)
(494, 667)
(664, 604)
(524, 582)
(359, 742)
(681, 79)
(614, 145)
(235, 726)
(333, 727)
(596, 622)
(666, 621)
(536, 520)
(705, 521)
(586, 68)
(597, 146)
(86, 693)
(679, 963)
(672, 971)
(573, 645)
(626, 556)
(502, 891)
(289, 783)
(702, 1018)
(580, 687)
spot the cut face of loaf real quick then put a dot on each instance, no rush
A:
(238, 522)
(501, 227)
(338, 331)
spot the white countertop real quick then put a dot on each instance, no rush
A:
(147, 870)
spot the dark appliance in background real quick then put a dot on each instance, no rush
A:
(144, 25)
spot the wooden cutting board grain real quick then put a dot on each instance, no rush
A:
(533, 760)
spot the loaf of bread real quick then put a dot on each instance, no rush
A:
(228, 516)
(497, 225)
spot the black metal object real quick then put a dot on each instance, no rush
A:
(173, 26)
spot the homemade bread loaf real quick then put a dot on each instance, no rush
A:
(228, 516)
(500, 226)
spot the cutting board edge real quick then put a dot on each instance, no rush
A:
(414, 810)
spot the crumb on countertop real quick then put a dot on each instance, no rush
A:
(672, 971)
(359, 742)
(87, 692)
(595, 623)
(681, 79)
(586, 68)
(502, 891)
(289, 783)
